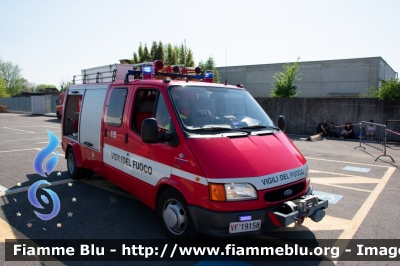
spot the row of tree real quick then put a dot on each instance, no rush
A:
(172, 55)
(12, 82)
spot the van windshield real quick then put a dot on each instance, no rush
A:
(214, 108)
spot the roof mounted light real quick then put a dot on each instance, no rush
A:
(209, 76)
(147, 70)
(197, 70)
(158, 65)
(176, 69)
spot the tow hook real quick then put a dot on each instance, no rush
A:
(303, 206)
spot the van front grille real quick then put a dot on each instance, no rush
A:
(279, 194)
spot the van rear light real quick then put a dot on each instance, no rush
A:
(217, 192)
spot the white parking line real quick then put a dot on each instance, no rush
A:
(20, 150)
(63, 155)
(23, 189)
(19, 129)
(28, 139)
(2, 188)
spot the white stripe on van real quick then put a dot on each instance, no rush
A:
(151, 172)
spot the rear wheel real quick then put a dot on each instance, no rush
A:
(73, 171)
(174, 216)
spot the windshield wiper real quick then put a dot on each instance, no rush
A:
(216, 128)
(258, 126)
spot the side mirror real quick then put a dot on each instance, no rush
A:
(150, 132)
(282, 123)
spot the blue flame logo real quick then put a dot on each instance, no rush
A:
(32, 198)
(41, 156)
(38, 167)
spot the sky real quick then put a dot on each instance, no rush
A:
(52, 40)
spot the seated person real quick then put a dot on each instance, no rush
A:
(347, 132)
(371, 129)
(332, 132)
(322, 128)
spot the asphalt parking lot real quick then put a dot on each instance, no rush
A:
(363, 195)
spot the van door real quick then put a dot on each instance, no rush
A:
(90, 126)
(113, 135)
(149, 162)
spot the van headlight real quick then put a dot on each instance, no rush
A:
(232, 191)
(240, 191)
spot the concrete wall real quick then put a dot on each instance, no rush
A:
(304, 114)
(332, 78)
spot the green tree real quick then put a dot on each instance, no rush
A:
(390, 90)
(170, 58)
(42, 87)
(189, 58)
(135, 58)
(371, 92)
(182, 55)
(12, 76)
(146, 54)
(153, 51)
(3, 89)
(140, 53)
(210, 64)
(160, 55)
(283, 86)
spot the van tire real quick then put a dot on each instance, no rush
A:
(174, 216)
(73, 171)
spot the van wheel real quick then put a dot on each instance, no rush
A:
(73, 171)
(58, 115)
(174, 216)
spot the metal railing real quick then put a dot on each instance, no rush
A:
(374, 136)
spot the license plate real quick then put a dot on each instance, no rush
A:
(239, 227)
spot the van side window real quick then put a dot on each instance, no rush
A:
(115, 107)
(143, 107)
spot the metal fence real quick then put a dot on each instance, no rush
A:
(23, 104)
(20, 104)
(374, 136)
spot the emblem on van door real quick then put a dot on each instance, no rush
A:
(288, 192)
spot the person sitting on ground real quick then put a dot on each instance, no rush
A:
(322, 128)
(347, 132)
(371, 129)
(332, 132)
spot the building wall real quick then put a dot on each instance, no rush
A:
(304, 114)
(332, 78)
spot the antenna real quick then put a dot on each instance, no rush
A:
(226, 66)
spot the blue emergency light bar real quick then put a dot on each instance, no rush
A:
(149, 70)
(208, 75)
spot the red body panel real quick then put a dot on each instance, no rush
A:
(245, 156)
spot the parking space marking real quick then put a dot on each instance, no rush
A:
(20, 150)
(357, 169)
(26, 139)
(59, 154)
(327, 160)
(18, 129)
(3, 188)
(366, 207)
(332, 198)
(9, 232)
(23, 189)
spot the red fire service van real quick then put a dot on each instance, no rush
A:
(205, 156)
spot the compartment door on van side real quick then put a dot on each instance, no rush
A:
(149, 162)
(113, 135)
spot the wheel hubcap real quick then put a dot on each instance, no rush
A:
(174, 217)
(71, 165)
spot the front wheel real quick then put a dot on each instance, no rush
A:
(174, 216)
(73, 171)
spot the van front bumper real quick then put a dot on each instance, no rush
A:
(217, 223)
